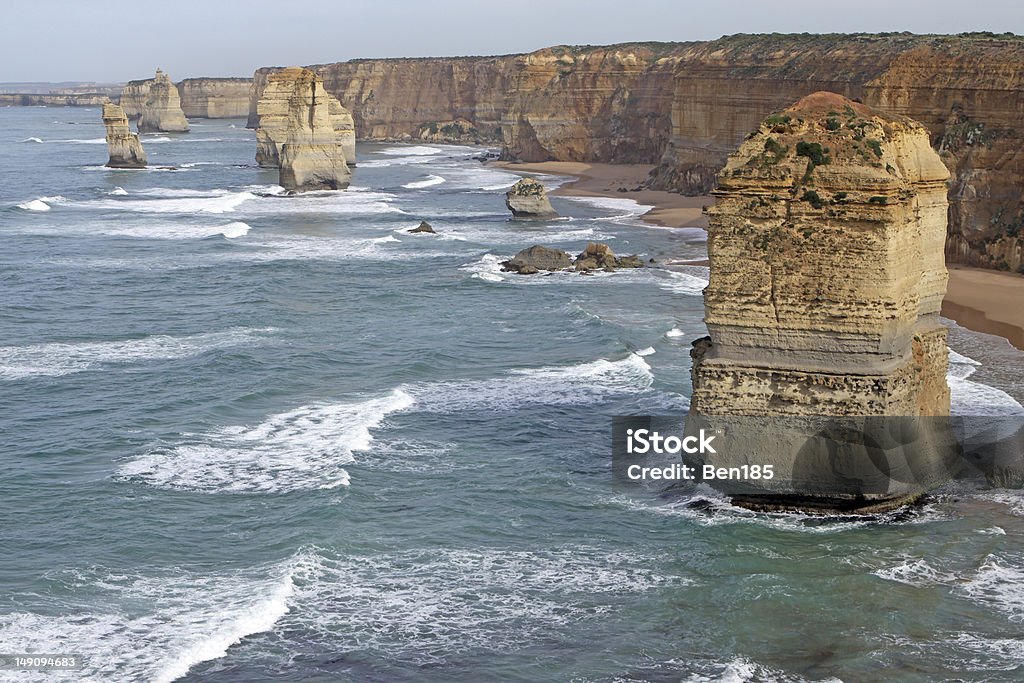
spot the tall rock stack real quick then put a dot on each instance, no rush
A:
(304, 131)
(123, 145)
(161, 112)
(827, 273)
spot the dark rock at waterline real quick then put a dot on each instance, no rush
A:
(537, 258)
(424, 227)
(597, 256)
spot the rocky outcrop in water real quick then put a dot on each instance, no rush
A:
(827, 273)
(424, 228)
(123, 145)
(160, 110)
(537, 258)
(596, 256)
(297, 132)
(528, 200)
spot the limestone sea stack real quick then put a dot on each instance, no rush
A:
(162, 112)
(123, 145)
(827, 273)
(528, 200)
(287, 94)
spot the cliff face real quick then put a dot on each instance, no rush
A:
(827, 272)
(52, 100)
(446, 99)
(215, 98)
(588, 104)
(298, 132)
(683, 106)
(968, 91)
(123, 146)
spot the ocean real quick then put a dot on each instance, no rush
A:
(253, 437)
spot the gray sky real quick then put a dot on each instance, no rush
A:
(101, 40)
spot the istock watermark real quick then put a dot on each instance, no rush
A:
(843, 462)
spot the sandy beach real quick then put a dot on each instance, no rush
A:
(982, 300)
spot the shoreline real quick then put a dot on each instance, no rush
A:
(982, 300)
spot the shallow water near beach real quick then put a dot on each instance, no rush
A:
(251, 437)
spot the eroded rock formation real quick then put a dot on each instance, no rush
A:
(123, 146)
(160, 111)
(827, 271)
(297, 132)
(528, 200)
(684, 106)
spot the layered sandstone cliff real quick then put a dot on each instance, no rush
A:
(123, 146)
(967, 90)
(161, 111)
(606, 104)
(827, 271)
(302, 132)
(215, 98)
(683, 106)
(53, 99)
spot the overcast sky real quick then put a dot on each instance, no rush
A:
(100, 40)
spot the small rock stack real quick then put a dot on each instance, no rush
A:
(123, 146)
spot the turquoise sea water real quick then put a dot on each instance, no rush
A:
(249, 437)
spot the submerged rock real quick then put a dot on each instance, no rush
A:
(297, 132)
(537, 258)
(123, 146)
(527, 199)
(161, 111)
(424, 227)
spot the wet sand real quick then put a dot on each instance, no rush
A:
(982, 300)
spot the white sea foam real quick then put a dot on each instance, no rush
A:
(999, 585)
(155, 627)
(90, 141)
(916, 573)
(683, 283)
(646, 351)
(219, 203)
(675, 332)
(424, 604)
(56, 359)
(585, 383)
(118, 191)
(34, 205)
(412, 151)
(301, 449)
(620, 207)
(487, 268)
(743, 670)
(33, 139)
(976, 399)
(429, 181)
